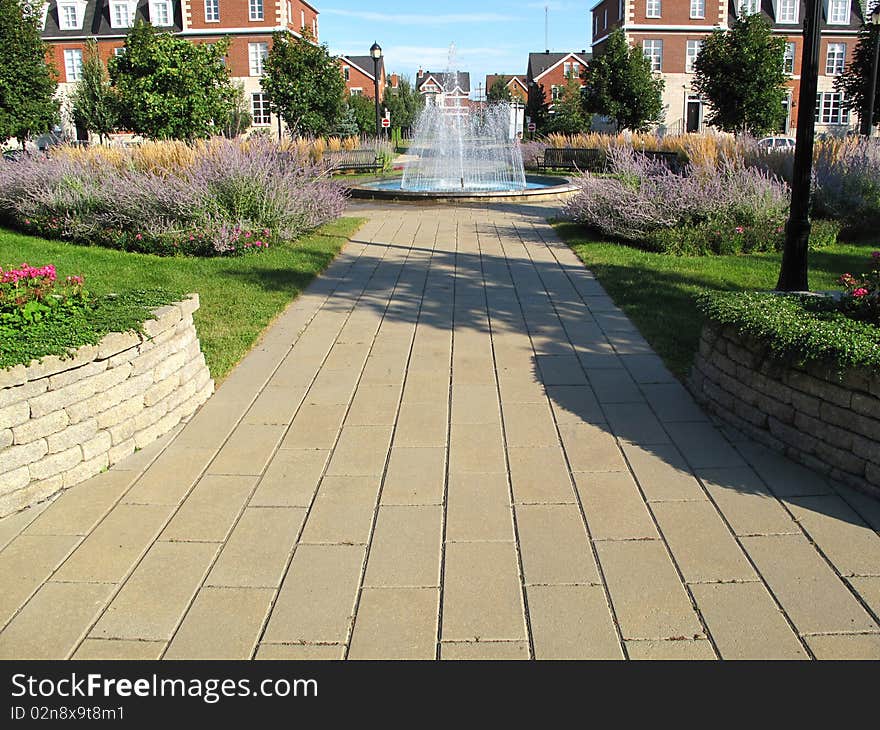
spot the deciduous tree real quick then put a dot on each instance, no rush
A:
(93, 101)
(405, 105)
(568, 115)
(304, 84)
(855, 81)
(499, 91)
(740, 73)
(620, 85)
(27, 82)
(172, 88)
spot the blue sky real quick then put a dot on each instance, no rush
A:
(491, 36)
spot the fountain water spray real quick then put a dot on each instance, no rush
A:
(459, 149)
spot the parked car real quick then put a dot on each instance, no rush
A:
(776, 143)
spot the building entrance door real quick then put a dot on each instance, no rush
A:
(694, 115)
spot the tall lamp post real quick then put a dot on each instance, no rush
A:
(376, 53)
(870, 101)
(793, 273)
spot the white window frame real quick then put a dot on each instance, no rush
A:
(78, 7)
(155, 6)
(835, 64)
(261, 116)
(653, 8)
(256, 10)
(749, 7)
(692, 50)
(787, 11)
(837, 12)
(119, 51)
(212, 11)
(73, 62)
(656, 44)
(789, 57)
(356, 91)
(698, 9)
(117, 19)
(556, 92)
(257, 53)
(830, 109)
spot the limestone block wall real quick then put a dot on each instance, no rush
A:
(827, 422)
(65, 420)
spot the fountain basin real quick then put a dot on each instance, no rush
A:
(537, 188)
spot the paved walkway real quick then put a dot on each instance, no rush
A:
(452, 445)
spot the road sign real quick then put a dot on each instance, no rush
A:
(533, 127)
(386, 123)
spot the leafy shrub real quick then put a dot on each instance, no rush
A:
(216, 198)
(797, 328)
(861, 298)
(30, 294)
(41, 316)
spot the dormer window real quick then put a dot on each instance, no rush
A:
(160, 12)
(787, 11)
(838, 12)
(71, 15)
(122, 13)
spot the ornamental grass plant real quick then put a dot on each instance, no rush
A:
(218, 197)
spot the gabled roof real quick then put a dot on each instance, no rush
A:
(446, 81)
(541, 63)
(509, 79)
(365, 64)
(96, 21)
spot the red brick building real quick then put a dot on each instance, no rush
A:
(516, 84)
(69, 24)
(670, 33)
(552, 71)
(359, 75)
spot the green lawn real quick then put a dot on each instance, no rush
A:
(239, 296)
(657, 291)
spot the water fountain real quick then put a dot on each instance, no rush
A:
(463, 151)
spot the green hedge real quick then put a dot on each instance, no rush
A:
(68, 329)
(797, 328)
(730, 239)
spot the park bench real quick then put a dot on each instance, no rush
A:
(354, 160)
(571, 158)
(670, 160)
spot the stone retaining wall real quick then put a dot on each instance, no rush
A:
(65, 420)
(828, 423)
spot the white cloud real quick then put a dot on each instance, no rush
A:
(426, 19)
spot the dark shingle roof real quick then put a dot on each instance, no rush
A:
(365, 64)
(447, 81)
(540, 62)
(96, 21)
(767, 10)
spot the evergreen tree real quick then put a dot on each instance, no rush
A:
(94, 101)
(740, 72)
(621, 86)
(171, 88)
(537, 108)
(499, 91)
(304, 84)
(27, 81)
(855, 82)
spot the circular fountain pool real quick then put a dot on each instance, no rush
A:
(536, 188)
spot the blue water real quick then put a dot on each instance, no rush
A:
(488, 188)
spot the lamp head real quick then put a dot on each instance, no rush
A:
(376, 51)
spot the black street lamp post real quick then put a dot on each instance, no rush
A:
(793, 273)
(871, 100)
(376, 53)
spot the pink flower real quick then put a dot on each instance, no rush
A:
(138, 237)
(739, 229)
(247, 235)
(258, 244)
(860, 292)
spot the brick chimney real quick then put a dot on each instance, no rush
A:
(395, 81)
(421, 74)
